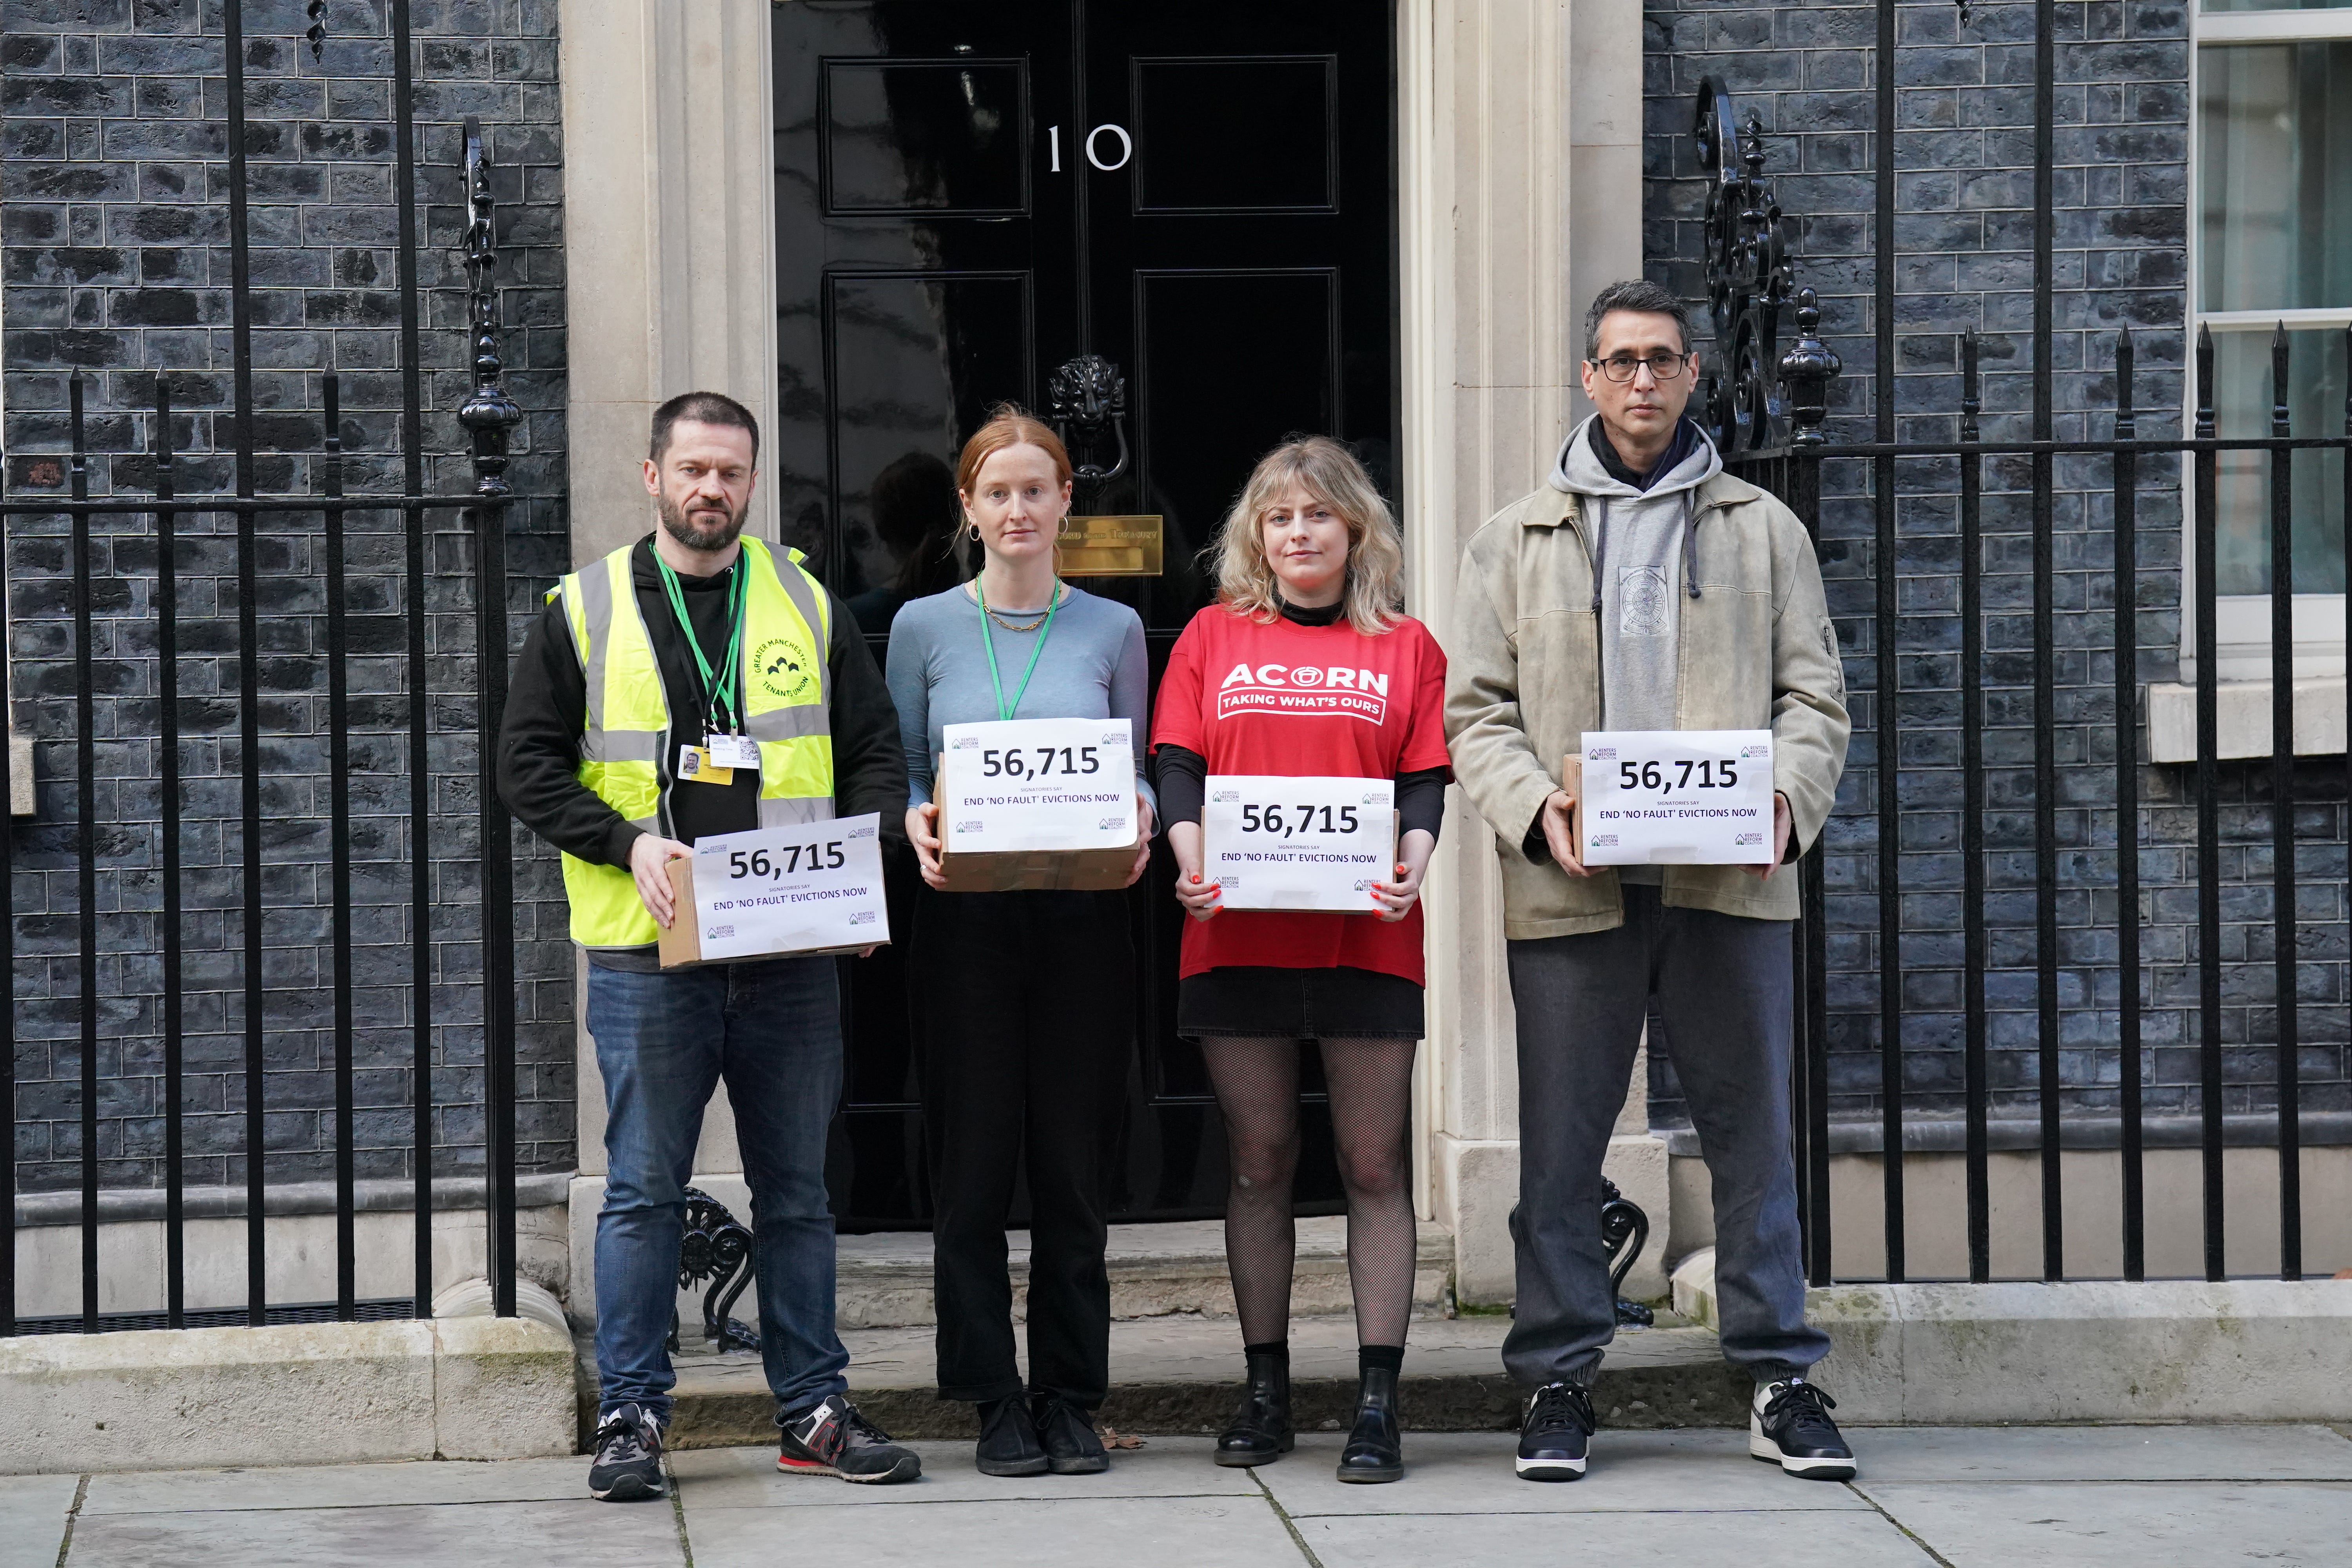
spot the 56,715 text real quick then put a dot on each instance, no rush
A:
(787, 860)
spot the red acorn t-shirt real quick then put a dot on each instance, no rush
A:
(1276, 697)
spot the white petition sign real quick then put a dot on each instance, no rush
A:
(1677, 797)
(1038, 784)
(1300, 843)
(791, 890)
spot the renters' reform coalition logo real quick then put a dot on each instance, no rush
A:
(785, 669)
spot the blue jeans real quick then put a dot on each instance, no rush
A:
(1717, 991)
(772, 1030)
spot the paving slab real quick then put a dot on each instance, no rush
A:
(1451, 1472)
(341, 1485)
(2285, 1524)
(1846, 1538)
(748, 1477)
(576, 1534)
(1131, 1532)
(2101, 1454)
(33, 1518)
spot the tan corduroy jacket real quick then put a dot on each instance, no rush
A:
(1523, 684)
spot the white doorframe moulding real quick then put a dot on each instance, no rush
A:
(668, 234)
(1520, 142)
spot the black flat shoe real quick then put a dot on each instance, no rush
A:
(1072, 1446)
(1375, 1450)
(1261, 1431)
(1008, 1439)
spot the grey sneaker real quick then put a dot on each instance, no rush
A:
(627, 1465)
(834, 1439)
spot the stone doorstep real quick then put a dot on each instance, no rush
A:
(1182, 1375)
(884, 1280)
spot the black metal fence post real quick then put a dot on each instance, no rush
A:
(488, 415)
(339, 829)
(2283, 911)
(164, 444)
(84, 851)
(1806, 372)
(2127, 730)
(2045, 697)
(1976, 1174)
(2209, 827)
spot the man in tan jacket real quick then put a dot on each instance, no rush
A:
(1644, 588)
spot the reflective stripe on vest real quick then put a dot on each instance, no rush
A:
(626, 746)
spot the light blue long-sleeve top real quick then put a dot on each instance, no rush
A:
(1092, 668)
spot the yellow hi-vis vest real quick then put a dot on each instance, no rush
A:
(627, 749)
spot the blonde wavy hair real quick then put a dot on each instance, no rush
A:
(1374, 594)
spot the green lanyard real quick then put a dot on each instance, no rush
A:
(1004, 710)
(718, 686)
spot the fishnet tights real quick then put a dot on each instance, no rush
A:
(1370, 1082)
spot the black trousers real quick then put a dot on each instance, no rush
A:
(1026, 1023)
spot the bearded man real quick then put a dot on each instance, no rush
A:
(699, 682)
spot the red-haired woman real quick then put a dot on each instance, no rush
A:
(1307, 666)
(1026, 1066)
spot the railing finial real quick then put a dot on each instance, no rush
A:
(488, 412)
(1806, 370)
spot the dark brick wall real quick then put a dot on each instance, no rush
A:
(1964, 236)
(114, 214)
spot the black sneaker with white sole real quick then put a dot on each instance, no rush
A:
(1790, 1425)
(834, 1439)
(627, 1465)
(1553, 1437)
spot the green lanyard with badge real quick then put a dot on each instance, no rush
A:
(724, 748)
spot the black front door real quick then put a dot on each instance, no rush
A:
(969, 196)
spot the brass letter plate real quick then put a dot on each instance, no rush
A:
(1109, 546)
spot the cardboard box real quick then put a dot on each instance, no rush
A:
(1572, 783)
(1031, 870)
(680, 943)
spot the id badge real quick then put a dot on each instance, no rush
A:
(733, 752)
(696, 765)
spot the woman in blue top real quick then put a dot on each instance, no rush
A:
(1026, 1069)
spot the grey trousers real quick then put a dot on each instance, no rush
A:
(1716, 990)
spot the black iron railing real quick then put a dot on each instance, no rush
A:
(321, 518)
(1768, 411)
(1794, 472)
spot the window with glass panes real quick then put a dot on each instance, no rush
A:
(2273, 182)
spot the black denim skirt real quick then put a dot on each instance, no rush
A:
(1298, 1005)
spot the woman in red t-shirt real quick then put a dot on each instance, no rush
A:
(1307, 668)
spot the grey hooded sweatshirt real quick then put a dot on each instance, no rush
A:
(1640, 550)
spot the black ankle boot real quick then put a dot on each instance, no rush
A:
(1375, 1450)
(1009, 1444)
(1261, 1430)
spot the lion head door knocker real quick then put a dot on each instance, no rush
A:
(1088, 393)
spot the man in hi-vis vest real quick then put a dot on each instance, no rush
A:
(697, 682)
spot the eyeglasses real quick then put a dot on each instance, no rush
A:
(1663, 366)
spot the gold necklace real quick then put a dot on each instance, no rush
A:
(1051, 603)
